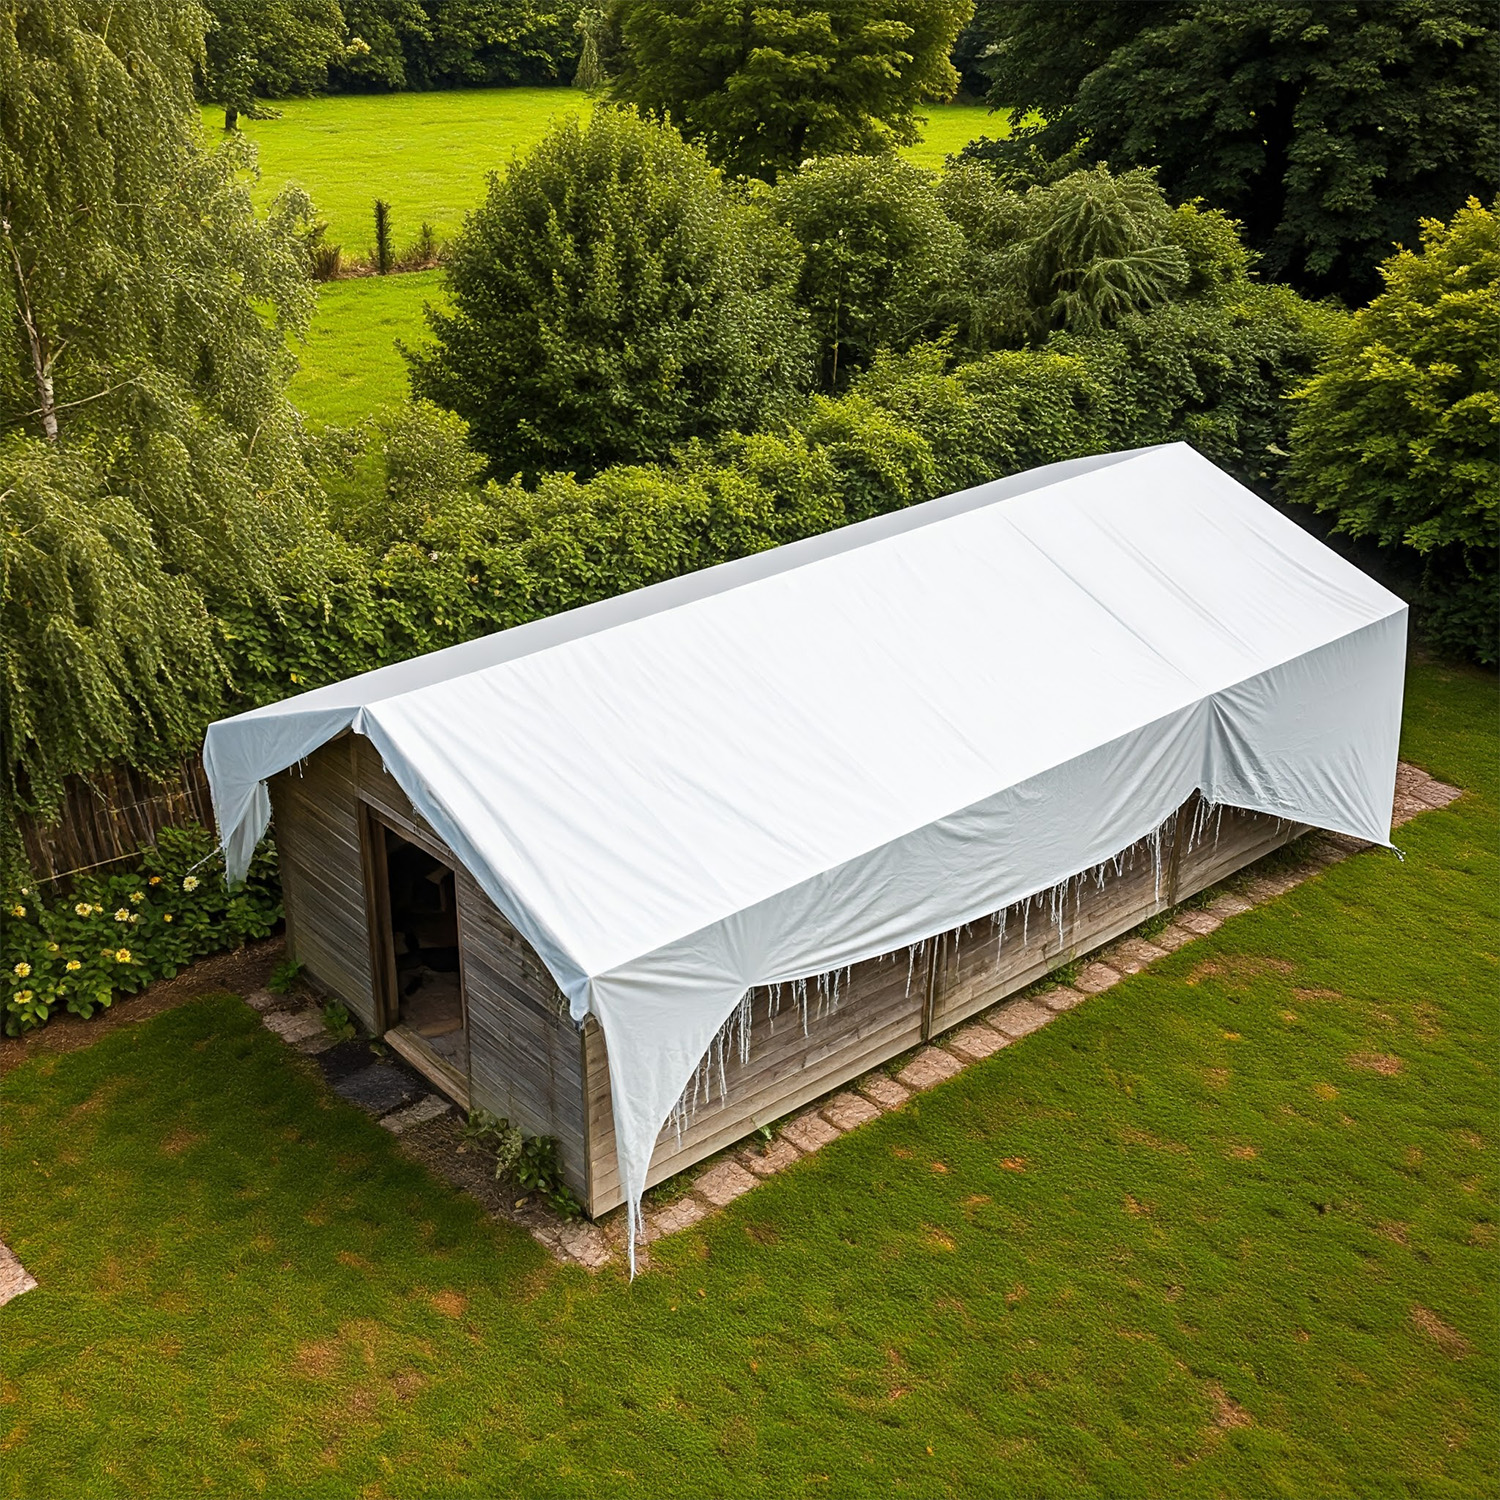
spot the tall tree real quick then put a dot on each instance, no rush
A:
(1398, 434)
(612, 297)
(150, 463)
(1329, 129)
(274, 49)
(764, 88)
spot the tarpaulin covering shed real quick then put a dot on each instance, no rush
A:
(803, 759)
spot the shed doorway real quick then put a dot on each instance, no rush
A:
(427, 1021)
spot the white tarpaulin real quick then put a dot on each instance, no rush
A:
(810, 757)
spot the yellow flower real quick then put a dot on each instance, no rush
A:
(123, 915)
(190, 883)
(23, 996)
(122, 955)
(18, 910)
(83, 908)
(166, 916)
(136, 897)
(155, 880)
(22, 970)
(53, 948)
(72, 965)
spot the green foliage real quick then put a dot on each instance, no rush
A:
(1397, 435)
(611, 297)
(382, 237)
(1330, 130)
(151, 467)
(268, 48)
(766, 88)
(284, 977)
(530, 1161)
(878, 254)
(337, 1022)
(114, 934)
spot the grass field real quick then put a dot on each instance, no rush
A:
(428, 154)
(1228, 1230)
(350, 367)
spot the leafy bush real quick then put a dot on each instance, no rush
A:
(611, 297)
(1398, 434)
(878, 254)
(114, 934)
(531, 1161)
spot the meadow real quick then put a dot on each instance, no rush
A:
(1225, 1230)
(428, 154)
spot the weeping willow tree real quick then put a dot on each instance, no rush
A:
(151, 468)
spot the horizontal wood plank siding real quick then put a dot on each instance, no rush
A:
(959, 973)
(316, 823)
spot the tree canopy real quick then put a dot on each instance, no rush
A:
(1398, 434)
(612, 296)
(1328, 129)
(764, 88)
(150, 465)
(270, 48)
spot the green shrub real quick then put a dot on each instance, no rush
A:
(878, 252)
(611, 296)
(114, 934)
(1398, 434)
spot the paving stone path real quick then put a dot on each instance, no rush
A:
(14, 1277)
(429, 1129)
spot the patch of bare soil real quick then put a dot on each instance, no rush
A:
(1238, 968)
(1375, 1062)
(239, 972)
(1449, 1340)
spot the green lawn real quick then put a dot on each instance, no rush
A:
(1228, 1230)
(350, 367)
(428, 154)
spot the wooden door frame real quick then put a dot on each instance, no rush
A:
(374, 821)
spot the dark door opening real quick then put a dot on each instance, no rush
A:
(424, 940)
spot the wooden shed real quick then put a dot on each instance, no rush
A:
(647, 876)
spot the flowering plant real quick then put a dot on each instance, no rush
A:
(114, 934)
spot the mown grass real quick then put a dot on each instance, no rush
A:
(350, 367)
(427, 154)
(1228, 1230)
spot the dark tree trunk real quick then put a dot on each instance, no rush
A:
(231, 117)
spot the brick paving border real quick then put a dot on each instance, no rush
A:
(428, 1130)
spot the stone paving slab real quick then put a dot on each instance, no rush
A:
(976, 1041)
(723, 1183)
(846, 1111)
(14, 1277)
(1200, 922)
(1061, 997)
(378, 1089)
(1131, 955)
(930, 1067)
(766, 1161)
(810, 1132)
(677, 1216)
(883, 1091)
(294, 1026)
(416, 1114)
(1096, 978)
(1018, 1018)
(383, 1088)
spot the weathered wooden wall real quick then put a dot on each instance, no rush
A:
(110, 816)
(525, 1054)
(316, 823)
(889, 1005)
